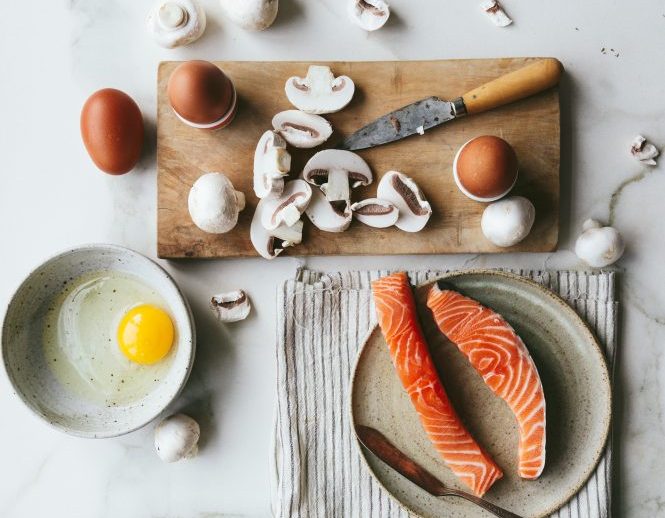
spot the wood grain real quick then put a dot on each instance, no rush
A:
(531, 126)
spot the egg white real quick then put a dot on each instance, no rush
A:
(80, 339)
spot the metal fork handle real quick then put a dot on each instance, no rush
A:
(494, 509)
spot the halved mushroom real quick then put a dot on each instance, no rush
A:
(320, 91)
(302, 130)
(270, 243)
(232, 306)
(375, 212)
(286, 208)
(271, 163)
(328, 216)
(369, 14)
(402, 191)
(336, 171)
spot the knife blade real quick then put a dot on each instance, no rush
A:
(422, 115)
(411, 119)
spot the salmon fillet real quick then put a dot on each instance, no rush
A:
(398, 320)
(502, 359)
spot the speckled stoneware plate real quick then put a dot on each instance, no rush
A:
(34, 381)
(577, 392)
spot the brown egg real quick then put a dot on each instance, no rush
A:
(485, 168)
(202, 95)
(112, 130)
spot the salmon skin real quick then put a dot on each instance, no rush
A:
(502, 359)
(398, 320)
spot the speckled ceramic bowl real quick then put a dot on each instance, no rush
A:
(35, 383)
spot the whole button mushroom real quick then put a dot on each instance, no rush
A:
(214, 204)
(320, 91)
(112, 130)
(176, 23)
(253, 15)
(176, 438)
(599, 246)
(507, 222)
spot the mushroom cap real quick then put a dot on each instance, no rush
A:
(320, 91)
(369, 14)
(317, 169)
(179, 30)
(176, 437)
(286, 208)
(399, 189)
(271, 163)
(375, 212)
(327, 216)
(302, 130)
(199, 92)
(214, 204)
(253, 15)
(485, 168)
(599, 246)
(508, 221)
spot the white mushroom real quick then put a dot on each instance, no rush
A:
(269, 244)
(375, 212)
(369, 14)
(404, 193)
(214, 204)
(252, 15)
(644, 151)
(599, 246)
(232, 306)
(175, 23)
(177, 438)
(508, 221)
(336, 172)
(287, 208)
(495, 12)
(271, 163)
(328, 216)
(302, 130)
(320, 91)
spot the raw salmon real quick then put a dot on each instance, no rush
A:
(502, 359)
(396, 311)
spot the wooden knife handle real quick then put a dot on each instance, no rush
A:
(531, 79)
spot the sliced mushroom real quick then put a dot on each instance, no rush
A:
(302, 130)
(336, 171)
(271, 163)
(320, 91)
(328, 216)
(270, 243)
(286, 208)
(375, 212)
(494, 10)
(404, 193)
(644, 151)
(369, 14)
(232, 306)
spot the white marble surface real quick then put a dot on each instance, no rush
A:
(56, 53)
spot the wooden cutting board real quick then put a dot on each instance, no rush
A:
(531, 126)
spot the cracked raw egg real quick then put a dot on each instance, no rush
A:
(485, 168)
(145, 334)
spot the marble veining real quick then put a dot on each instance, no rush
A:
(51, 197)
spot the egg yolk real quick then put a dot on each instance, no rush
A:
(145, 334)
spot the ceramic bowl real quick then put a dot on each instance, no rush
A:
(35, 383)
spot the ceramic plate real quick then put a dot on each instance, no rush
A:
(577, 392)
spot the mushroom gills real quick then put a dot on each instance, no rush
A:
(288, 207)
(271, 163)
(375, 213)
(328, 216)
(414, 210)
(302, 130)
(369, 14)
(320, 91)
(336, 172)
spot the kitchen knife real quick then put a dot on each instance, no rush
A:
(428, 113)
(380, 446)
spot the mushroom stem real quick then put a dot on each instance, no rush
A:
(240, 200)
(171, 15)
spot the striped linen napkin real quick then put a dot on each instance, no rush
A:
(323, 319)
